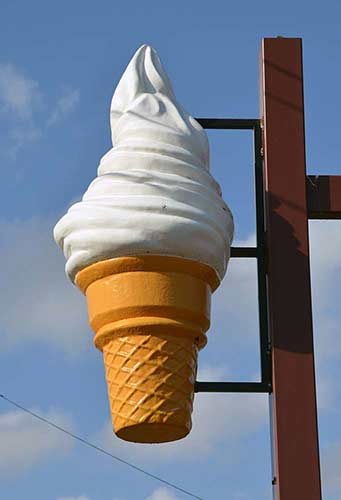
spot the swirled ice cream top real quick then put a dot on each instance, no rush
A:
(153, 193)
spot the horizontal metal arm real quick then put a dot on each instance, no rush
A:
(324, 196)
(246, 252)
(259, 387)
(228, 123)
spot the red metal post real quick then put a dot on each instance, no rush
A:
(295, 437)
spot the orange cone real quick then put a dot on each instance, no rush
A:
(149, 315)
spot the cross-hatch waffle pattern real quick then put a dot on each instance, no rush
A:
(150, 381)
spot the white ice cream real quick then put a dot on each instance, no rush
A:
(154, 193)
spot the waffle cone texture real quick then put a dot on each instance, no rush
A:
(149, 315)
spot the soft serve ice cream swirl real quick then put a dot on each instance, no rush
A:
(154, 193)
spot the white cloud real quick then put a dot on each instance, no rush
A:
(233, 338)
(325, 247)
(37, 301)
(325, 389)
(22, 135)
(65, 105)
(241, 496)
(162, 494)
(74, 498)
(159, 494)
(18, 93)
(207, 373)
(235, 301)
(21, 99)
(331, 469)
(25, 441)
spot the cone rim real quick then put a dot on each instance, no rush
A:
(147, 263)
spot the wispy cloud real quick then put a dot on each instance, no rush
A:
(235, 301)
(325, 246)
(21, 135)
(19, 94)
(65, 105)
(25, 442)
(20, 100)
(159, 494)
(23, 104)
(74, 498)
(34, 283)
(162, 494)
(331, 470)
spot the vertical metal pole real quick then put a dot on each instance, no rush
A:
(295, 437)
(265, 353)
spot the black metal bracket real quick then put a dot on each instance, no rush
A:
(258, 252)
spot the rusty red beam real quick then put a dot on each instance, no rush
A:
(324, 196)
(293, 402)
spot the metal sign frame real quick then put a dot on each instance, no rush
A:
(258, 252)
(286, 198)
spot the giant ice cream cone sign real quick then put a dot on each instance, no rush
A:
(148, 244)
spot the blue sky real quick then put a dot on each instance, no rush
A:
(59, 65)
